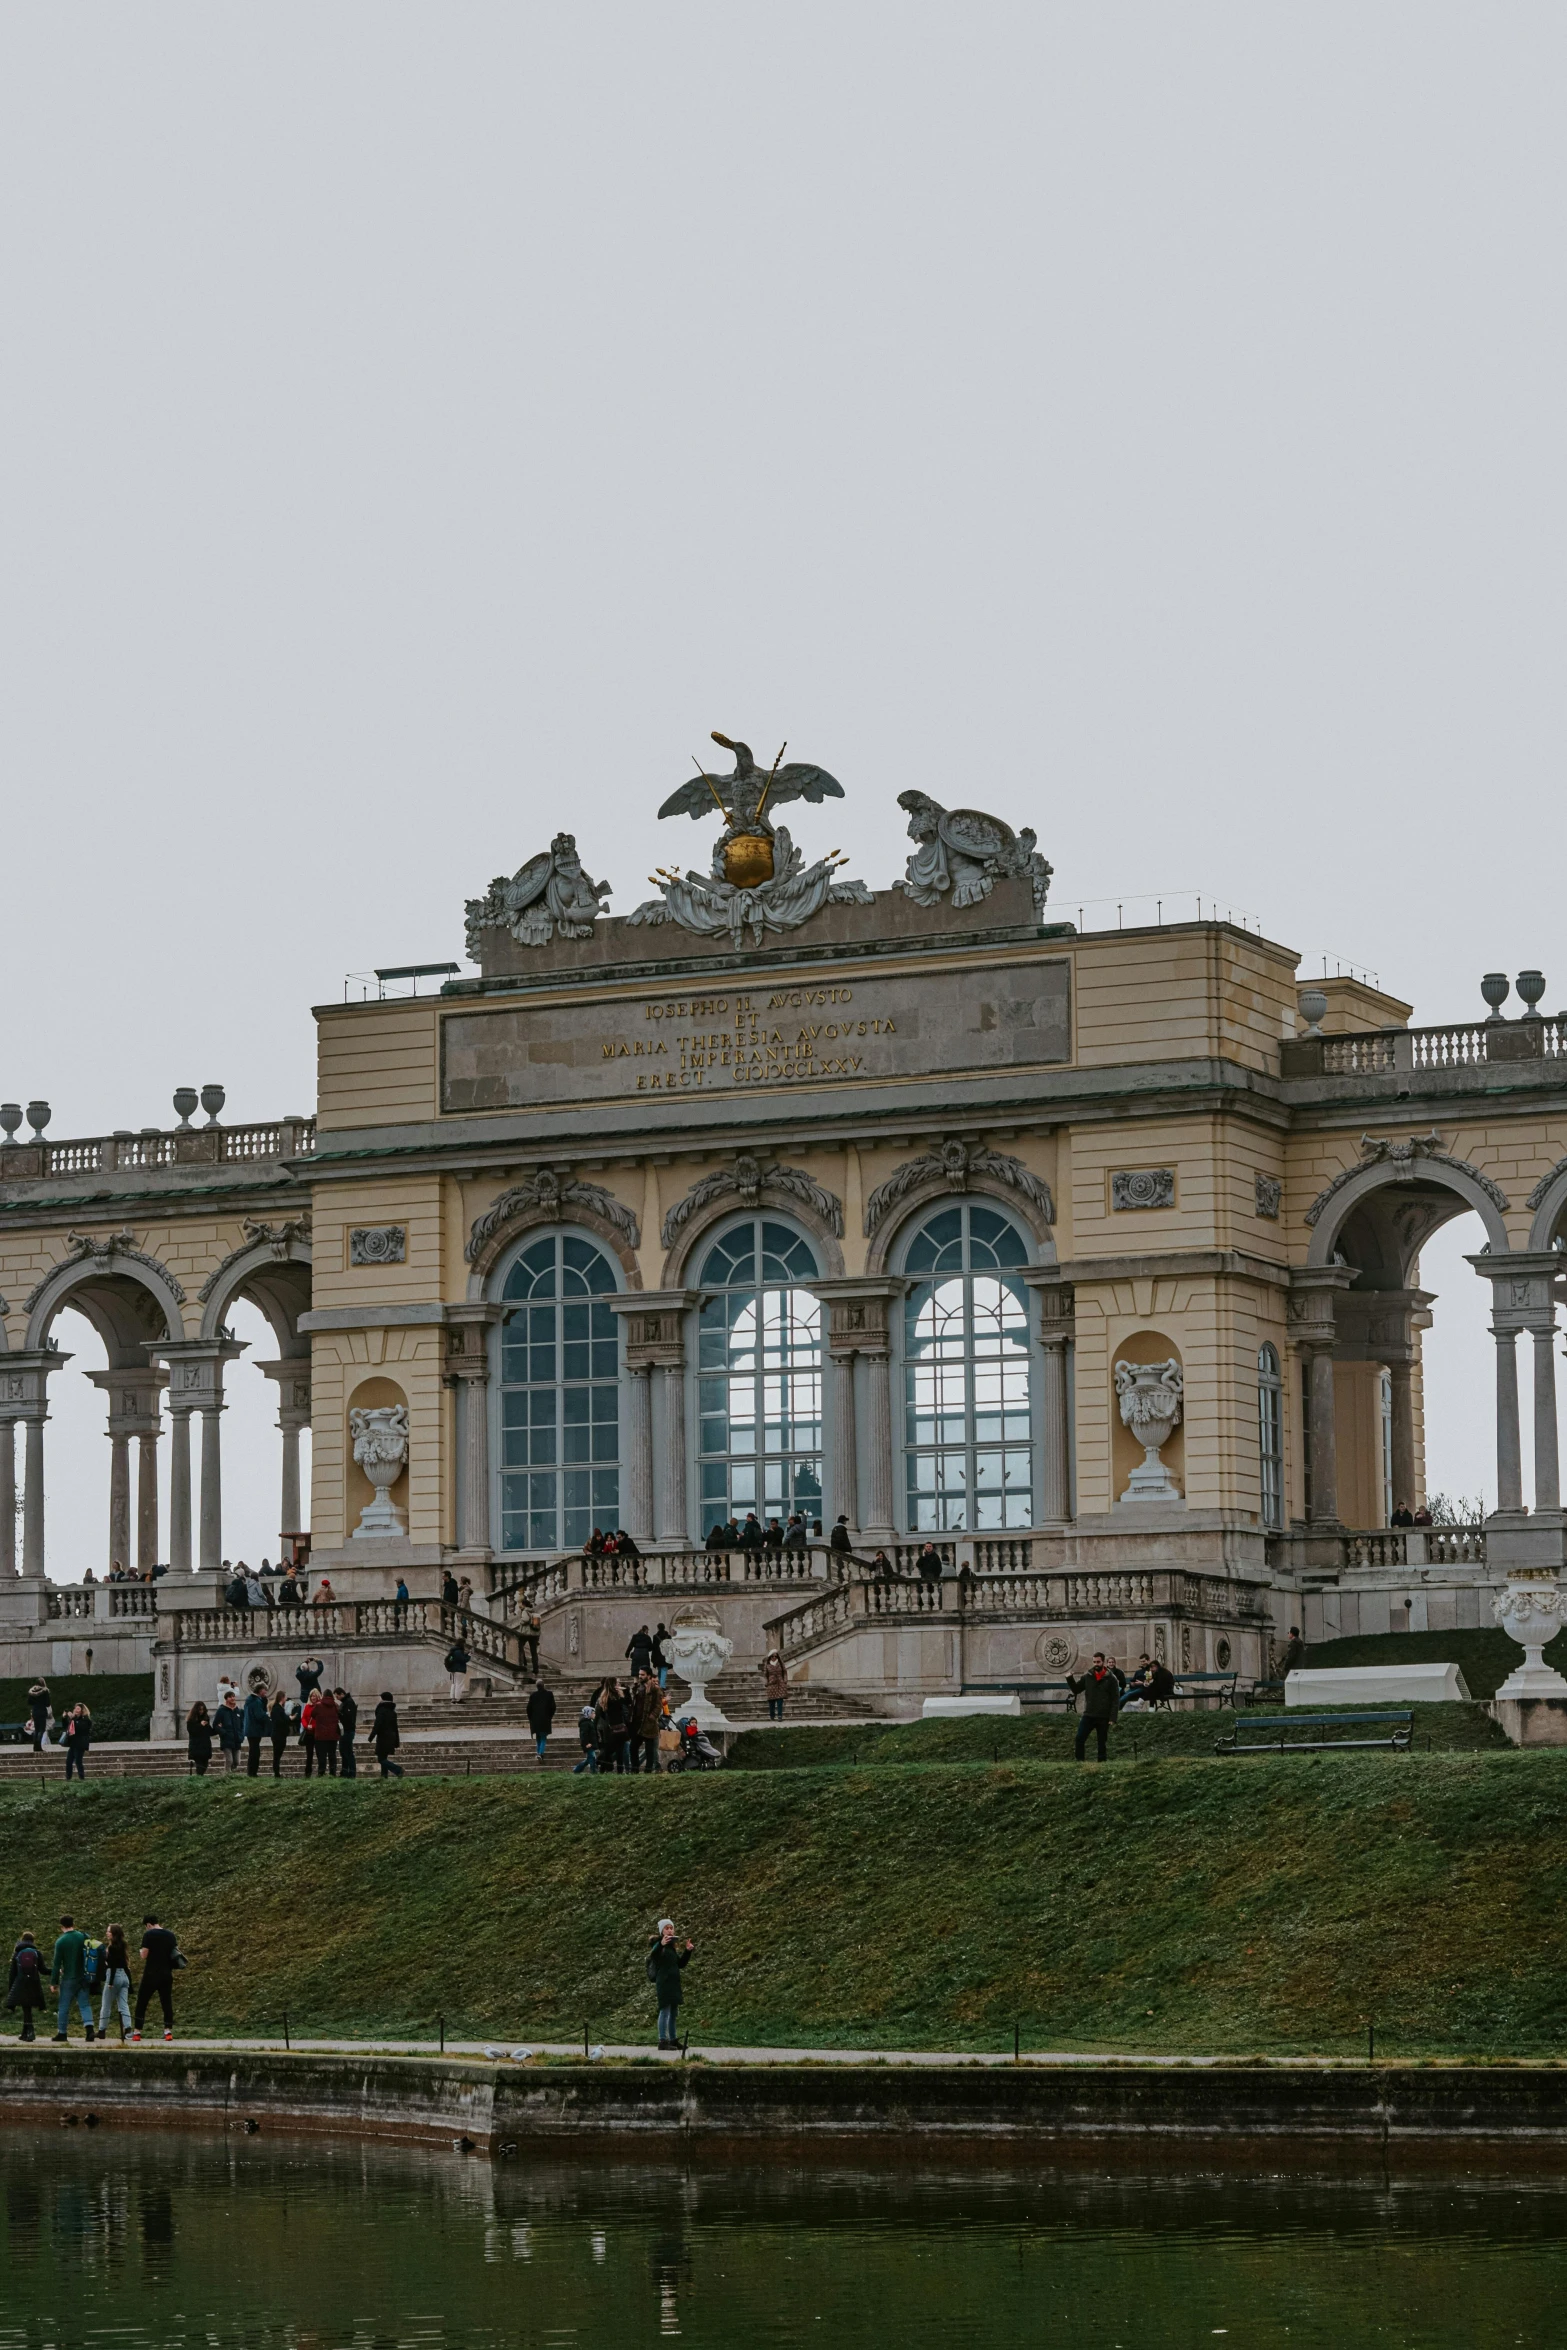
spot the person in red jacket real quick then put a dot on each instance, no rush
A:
(321, 1725)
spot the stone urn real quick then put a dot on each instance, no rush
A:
(380, 1441)
(1532, 1609)
(698, 1653)
(1150, 1397)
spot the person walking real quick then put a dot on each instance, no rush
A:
(198, 1738)
(666, 1965)
(385, 1736)
(775, 1680)
(160, 1954)
(639, 1651)
(660, 1660)
(456, 1662)
(347, 1725)
(614, 1728)
(541, 1713)
(230, 1727)
(25, 1990)
(528, 1644)
(1100, 1692)
(116, 1983)
(256, 1722)
(278, 1728)
(76, 1737)
(68, 1976)
(587, 1739)
(646, 1713)
(38, 1710)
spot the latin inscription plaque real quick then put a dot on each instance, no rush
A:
(725, 1040)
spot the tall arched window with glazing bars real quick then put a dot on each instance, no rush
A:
(759, 1376)
(559, 1389)
(968, 1444)
(1270, 1434)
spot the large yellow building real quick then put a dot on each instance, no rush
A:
(1093, 1259)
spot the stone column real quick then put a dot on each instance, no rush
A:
(292, 1374)
(859, 1312)
(1324, 1438)
(1547, 1464)
(24, 1396)
(7, 1497)
(146, 1501)
(1402, 1375)
(33, 1498)
(195, 1368)
(1312, 1310)
(467, 1372)
(654, 1322)
(133, 1392)
(179, 1488)
(119, 1500)
(1509, 1451)
(1057, 1329)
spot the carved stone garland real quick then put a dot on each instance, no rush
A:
(552, 1195)
(955, 1165)
(747, 1179)
(81, 1246)
(1405, 1155)
(280, 1238)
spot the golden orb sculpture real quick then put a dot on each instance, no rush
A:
(748, 860)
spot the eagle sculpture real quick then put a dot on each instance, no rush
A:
(742, 798)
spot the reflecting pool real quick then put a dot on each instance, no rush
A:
(123, 2238)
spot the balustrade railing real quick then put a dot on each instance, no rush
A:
(344, 1619)
(1032, 1594)
(1415, 1546)
(1465, 1044)
(132, 1599)
(194, 1146)
(534, 1589)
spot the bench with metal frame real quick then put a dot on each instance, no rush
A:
(1399, 1729)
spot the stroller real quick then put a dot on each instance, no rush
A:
(696, 1752)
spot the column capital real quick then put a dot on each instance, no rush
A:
(859, 1311)
(135, 1398)
(1057, 1303)
(468, 1328)
(24, 1382)
(291, 1374)
(1311, 1306)
(196, 1369)
(1525, 1287)
(655, 1326)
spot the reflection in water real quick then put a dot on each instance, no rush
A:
(188, 2242)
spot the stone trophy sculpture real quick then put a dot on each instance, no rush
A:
(380, 1441)
(966, 852)
(759, 880)
(1150, 1398)
(549, 897)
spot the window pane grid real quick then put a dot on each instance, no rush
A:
(559, 1397)
(759, 1385)
(967, 1402)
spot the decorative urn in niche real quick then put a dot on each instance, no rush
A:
(380, 1440)
(1150, 1399)
(698, 1652)
(1532, 1609)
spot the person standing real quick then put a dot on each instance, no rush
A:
(38, 1709)
(308, 1674)
(255, 1721)
(385, 1736)
(639, 1651)
(278, 1728)
(307, 1731)
(839, 1538)
(457, 1665)
(666, 1964)
(1100, 1692)
(116, 1983)
(541, 1714)
(528, 1643)
(68, 1976)
(76, 1737)
(25, 1990)
(646, 1713)
(587, 1739)
(660, 1660)
(347, 1725)
(159, 1956)
(614, 1727)
(327, 1726)
(775, 1680)
(198, 1737)
(230, 1727)
(1294, 1656)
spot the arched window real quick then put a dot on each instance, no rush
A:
(968, 1453)
(1270, 1434)
(559, 1396)
(759, 1374)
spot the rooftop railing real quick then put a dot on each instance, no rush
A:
(196, 1146)
(1467, 1044)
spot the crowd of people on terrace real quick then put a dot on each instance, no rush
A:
(322, 1722)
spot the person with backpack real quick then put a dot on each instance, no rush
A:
(160, 1955)
(230, 1726)
(76, 1737)
(114, 1973)
(457, 1666)
(541, 1713)
(39, 1709)
(347, 1724)
(68, 1976)
(278, 1729)
(25, 1990)
(255, 1721)
(386, 1737)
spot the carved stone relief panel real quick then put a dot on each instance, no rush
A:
(1270, 1193)
(378, 1244)
(1142, 1187)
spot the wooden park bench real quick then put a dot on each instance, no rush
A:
(1270, 1734)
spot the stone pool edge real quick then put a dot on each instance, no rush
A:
(496, 2107)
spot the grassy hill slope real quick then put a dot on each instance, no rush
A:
(1267, 1906)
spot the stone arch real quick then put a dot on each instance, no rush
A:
(1549, 1202)
(1441, 1187)
(894, 1228)
(550, 1214)
(273, 1270)
(129, 1297)
(771, 1199)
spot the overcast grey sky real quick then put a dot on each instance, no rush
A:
(421, 424)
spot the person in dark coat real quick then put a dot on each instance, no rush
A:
(639, 1650)
(347, 1725)
(716, 1539)
(928, 1565)
(666, 1963)
(198, 1738)
(38, 1713)
(541, 1713)
(1294, 1654)
(1100, 1692)
(614, 1727)
(76, 1737)
(256, 1720)
(278, 1728)
(230, 1727)
(25, 1991)
(839, 1538)
(385, 1736)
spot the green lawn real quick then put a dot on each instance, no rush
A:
(1172, 1903)
(1485, 1658)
